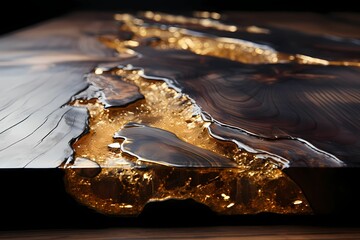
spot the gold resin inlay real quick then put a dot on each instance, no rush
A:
(163, 108)
(181, 38)
(206, 14)
(171, 37)
(205, 22)
(123, 184)
(112, 181)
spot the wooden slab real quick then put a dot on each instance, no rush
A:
(41, 69)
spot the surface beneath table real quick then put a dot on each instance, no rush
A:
(227, 232)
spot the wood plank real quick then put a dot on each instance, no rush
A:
(41, 69)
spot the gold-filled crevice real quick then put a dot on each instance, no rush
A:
(111, 181)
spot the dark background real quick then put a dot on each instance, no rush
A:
(18, 14)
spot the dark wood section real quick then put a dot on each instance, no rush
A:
(281, 103)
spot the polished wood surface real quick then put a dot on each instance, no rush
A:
(41, 68)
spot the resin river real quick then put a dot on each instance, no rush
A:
(197, 107)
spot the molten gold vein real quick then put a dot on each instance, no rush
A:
(163, 108)
(119, 188)
(202, 44)
(303, 59)
(203, 22)
(206, 14)
(178, 19)
(180, 38)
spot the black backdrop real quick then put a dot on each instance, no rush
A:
(18, 14)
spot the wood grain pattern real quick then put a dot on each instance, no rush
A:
(41, 69)
(305, 111)
(272, 102)
(115, 91)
